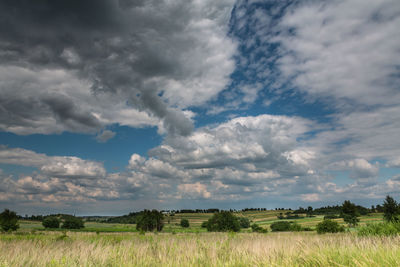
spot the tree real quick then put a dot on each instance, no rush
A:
(9, 220)
(150, 220)
(51, 222)
(390, 210)
(329, 226)
(349, 213)
(222, 222)
(72, 222)
(185, 223)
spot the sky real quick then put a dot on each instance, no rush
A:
(108, 106)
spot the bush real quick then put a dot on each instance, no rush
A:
(380, 229)
(150, 220)
(258, 229)
(244, 222)
(9, 220)
(329, 226)
(72, 222)
(285, 226)
(295, 227)
(185, 223)
(51, 222)
(222, 222)
(280, 226)
(204, 224)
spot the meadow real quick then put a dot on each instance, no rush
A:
(197, 249)
(105, 244)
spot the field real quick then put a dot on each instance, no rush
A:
(263, 218)
(102, 244)
(201, 249)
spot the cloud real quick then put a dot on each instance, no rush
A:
(104, 136)
(194, 190)
(359, 168)
(155, 57)
(346, 50)
(55, 166)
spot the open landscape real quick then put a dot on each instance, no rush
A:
(115, 244)
(199, 133)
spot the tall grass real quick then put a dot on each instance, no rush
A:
(202, 249)
(380, 229)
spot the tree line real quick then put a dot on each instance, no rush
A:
(153, 220)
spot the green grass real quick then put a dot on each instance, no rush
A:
(203, 249)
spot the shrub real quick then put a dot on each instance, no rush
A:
(329, 226)
(51, 222)
(204, 224)
(9, 220)
(244, 222)
(280, 226)
(284, 226)
(222, 222)
(150, 220)
(258, 229)
(380, 229)
(295, 227)
(72, 222)
(185, 223)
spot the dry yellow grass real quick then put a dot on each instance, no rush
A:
(205, 249)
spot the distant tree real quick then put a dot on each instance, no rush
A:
(244, 222)
(329, 226)
(72, 222)
(349, 213)
(222, 222)
(9, 220)
(185, 223)
(309, 211)
(150, 220)
(391, 210)
(51, 222)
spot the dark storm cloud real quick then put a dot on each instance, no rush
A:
(135, 49)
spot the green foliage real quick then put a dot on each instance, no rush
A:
(329, 226)
(51, 222)
(150, 220)
(204, 224)
(185, 223)
(285, 226)
(258, 229)
(222, 222)
(244, 222)
(380, 229)
(349, 213)
(72, 222)
(9, 220)
(280, 226)
(391, 210)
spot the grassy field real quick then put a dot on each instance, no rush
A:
(197, 249)
(104, 244)
(172, 223)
